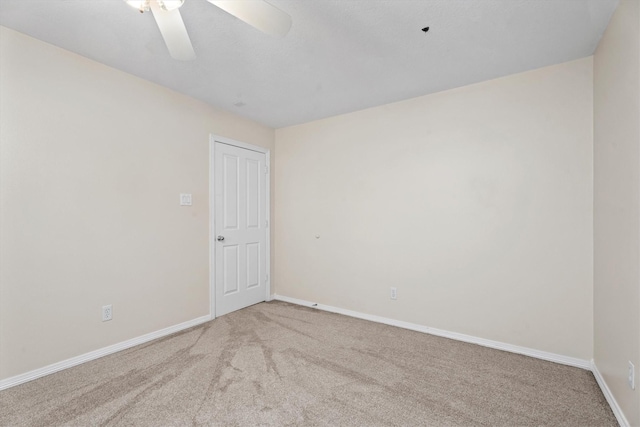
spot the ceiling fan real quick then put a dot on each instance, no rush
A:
(257, 13)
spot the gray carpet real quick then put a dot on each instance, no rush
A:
(280, 364)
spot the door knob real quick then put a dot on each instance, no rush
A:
(220, 238)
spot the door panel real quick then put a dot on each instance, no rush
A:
(231, 180)
(253, 194)
(253, 265)
(240, 219)
(231, 262)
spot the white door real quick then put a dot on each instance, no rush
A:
(240, 227)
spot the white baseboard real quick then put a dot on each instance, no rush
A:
(617, 411)
(552, 357)
(59, 366)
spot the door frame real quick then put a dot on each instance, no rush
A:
(213, 140)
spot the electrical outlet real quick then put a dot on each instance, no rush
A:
(631, 379)
(107, 313)
(394, 293)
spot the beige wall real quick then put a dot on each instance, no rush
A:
(617, 205)
(92, 164)
(476, 203)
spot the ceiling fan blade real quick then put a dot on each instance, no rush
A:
(259, 14)
(173, 32)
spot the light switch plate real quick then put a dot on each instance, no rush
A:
(185, 199)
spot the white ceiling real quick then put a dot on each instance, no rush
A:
(340, 55)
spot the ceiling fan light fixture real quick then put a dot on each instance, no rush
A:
(170, 4)
(141, 5)
(258, 13)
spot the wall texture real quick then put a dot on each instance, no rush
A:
(617, 205)
(92, 164)
(476, 203)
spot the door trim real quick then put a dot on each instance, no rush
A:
(213, 139)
